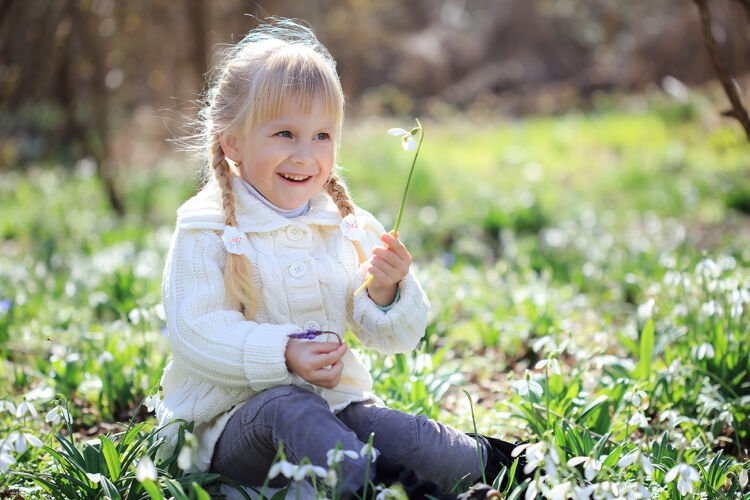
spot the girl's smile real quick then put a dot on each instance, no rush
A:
(287, 159)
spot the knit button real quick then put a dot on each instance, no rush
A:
(297, 269)
(294, 233)
(311, 325)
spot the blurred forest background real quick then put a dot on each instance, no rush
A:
(94, 78)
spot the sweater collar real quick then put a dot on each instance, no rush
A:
(204, 210)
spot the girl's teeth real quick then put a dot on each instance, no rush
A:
(295, 177)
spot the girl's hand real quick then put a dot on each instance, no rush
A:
(317, 362)
(388, 266)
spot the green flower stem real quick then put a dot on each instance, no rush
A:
(408, 180)
(474, 421)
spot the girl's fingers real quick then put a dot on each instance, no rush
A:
(330, 358)
(395, 245)
(387, 255)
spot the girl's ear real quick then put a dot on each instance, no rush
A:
(230, 146)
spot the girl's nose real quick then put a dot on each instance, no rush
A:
(302, 154)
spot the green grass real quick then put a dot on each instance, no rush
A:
(616, 242)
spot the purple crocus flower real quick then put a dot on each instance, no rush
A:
(5, 305)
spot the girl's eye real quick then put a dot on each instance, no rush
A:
(284, 133)
(323, 136)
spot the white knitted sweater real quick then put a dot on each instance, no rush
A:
(305, 272)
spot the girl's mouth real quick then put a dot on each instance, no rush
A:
(299, 179)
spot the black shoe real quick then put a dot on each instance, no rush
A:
(499, 457)
(388, 472)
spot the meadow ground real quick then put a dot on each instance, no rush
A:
(589, 275)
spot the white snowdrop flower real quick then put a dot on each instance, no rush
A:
(708, 268)
(331, 478)
(638, 419)
(135, 316)
(106, 357)
(152, 401)
(531, 491)
(687, 477)
(534, 456)
(185, 458)
(712, 308)
(287, 469)
(25, 407)
(407, 138)
(743, 478)
(524, 386)
(56, 414)
(705, 350)
(41, 394)
(335, 456)
(627, 460)
(7, 406)
(94, 478)
(6, 460)
(368, 449)
(680, 310)
(646, 310)
(559, 492)
(583, 492)
(19, 443)
(32, 440)
(636, 398)
(553, 364)
(145, 469)
(304, 470)
(647, 466)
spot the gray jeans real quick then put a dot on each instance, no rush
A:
(303, 422)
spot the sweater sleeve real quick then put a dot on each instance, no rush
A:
(398, 329)
(208, 336)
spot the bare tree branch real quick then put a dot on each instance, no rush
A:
(738, 111)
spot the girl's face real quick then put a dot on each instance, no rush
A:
(287, 159)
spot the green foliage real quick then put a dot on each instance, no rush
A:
(601, 242)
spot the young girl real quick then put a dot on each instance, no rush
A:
(259, 254)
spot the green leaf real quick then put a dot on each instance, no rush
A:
(152, 489)
(643, 370)
(110, 489)
(202, 494)
(111, 457)
(613, 457)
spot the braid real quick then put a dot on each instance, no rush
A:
(338, 192)
(239, 270)
(223, 175)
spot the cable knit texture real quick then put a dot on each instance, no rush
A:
(306, 273)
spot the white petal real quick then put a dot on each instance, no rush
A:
(32, 410)
(556, 367)
(648, 467)
(33, 440)
(351, 454)
(627, 460)
(409, 144)
(20, 444)
(743, 478)
(575, 461)
(320, 471)
(671, 475)
(519, 449)
(185, 458)
(53, 416)
(398, 131)
(535, 388)
(21, 410)
(540, 364)
(94, 478)
(145, 469)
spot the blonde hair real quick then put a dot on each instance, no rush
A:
(272, 65)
